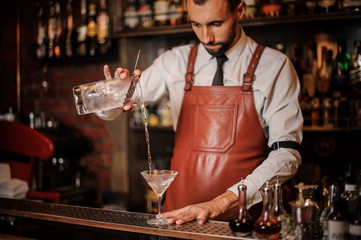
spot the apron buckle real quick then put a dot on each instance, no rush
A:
(248, 78)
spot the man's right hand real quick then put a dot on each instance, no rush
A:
(120, 73)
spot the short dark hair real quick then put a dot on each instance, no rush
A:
(232, 4)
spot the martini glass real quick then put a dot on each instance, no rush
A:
(159, 181)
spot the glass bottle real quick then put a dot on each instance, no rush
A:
(267, 226)
(332, 189)
(315, 112)
(82, 31)
(278, 210)
(176, 12)
(355, 72)
(103, 40)
(311, 203)
(70, 35)
(299, 214)
(350, 192)
(351, 5)
(292, 7)
(51, 29)
(327, 6)
(324, 76)
(146, 14)
(161, 11)
(58, 31)
(92, 30)
(324, 197)
(338, 221)
(252, 9)
(355, 224)
(340, 68)
(310, 71)
(310, 6)
(327, 113)
(271, 8)
(242, 225)
(131, 17)
(356, 56)
(41, 43)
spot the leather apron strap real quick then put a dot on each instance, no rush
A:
(249, 77)
(190, 68)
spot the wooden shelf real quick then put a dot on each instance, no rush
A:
(283, 20)
(327, 129)
(309, 18)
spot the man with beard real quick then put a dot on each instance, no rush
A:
(247, 125)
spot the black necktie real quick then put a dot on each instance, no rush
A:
(218, 78)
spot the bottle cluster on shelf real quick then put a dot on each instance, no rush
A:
(72, 28)
(150, 13)
(276, 8)
(330, 80)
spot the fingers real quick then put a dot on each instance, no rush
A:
(138, 72)
(106, 71)
(188, 217)
(187, 214)
(202, 220)
(119, 73)
(127, 107)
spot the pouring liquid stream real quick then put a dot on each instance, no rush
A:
(147, 141)
(143, 111)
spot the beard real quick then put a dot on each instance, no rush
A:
(224, 46)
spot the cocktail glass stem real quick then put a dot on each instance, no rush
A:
(159, 215)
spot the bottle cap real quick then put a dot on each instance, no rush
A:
(267, 188)
(242, 186)
(278, 184)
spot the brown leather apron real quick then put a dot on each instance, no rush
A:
(219, 140)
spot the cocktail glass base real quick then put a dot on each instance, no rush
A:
(158, 221)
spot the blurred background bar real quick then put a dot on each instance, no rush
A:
(63, 43)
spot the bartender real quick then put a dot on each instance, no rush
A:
(235, 110)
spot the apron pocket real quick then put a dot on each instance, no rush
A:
(214, 128)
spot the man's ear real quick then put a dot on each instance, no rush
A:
(241, 10)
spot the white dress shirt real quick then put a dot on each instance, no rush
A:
(276, 90)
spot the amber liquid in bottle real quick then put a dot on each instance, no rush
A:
(267, 226)
(242, 225)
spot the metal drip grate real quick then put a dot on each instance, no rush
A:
(110, 219)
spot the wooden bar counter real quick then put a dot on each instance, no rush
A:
(32, 219)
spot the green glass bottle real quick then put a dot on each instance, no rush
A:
(340, 70)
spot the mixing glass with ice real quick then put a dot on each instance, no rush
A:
(106, 94)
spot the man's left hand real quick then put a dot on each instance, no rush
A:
(203, 211)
